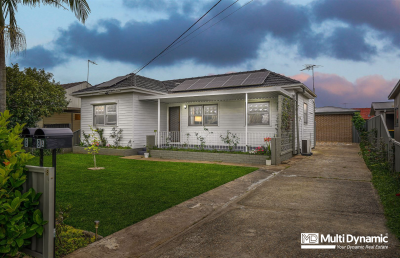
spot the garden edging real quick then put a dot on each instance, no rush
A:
(209, 156)
(107, 151)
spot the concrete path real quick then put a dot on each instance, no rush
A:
(264, 213)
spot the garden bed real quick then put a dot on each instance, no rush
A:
(209, 156)
(107, 151)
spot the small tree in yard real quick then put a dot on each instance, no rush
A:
(20, 218)
(93, 149)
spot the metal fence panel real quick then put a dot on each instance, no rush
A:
(41, 179)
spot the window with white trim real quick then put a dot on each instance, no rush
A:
(105, 114)
(203, 115)
(258, 113)
(305, 113)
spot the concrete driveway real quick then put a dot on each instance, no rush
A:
(264, 213)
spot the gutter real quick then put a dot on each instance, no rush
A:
(118, 90)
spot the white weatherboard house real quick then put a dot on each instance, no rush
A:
(249, 104)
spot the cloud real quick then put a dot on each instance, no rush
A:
(334, 90)
(383, 16)
(39, 57)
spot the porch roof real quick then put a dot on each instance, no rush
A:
(220, 95)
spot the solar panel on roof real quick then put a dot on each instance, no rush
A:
(256, 78)
(201, 83)
(236, 80)
(185, 85)
(218, 82)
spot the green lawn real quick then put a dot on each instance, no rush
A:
(128, 191)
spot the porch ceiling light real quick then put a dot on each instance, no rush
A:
(197, 118)
(184, 106)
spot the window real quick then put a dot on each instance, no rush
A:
(105, 115)
(258, 113)
(396, 117)
(77, 116)
(203, 115)
(305, 113)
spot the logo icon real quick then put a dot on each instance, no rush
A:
(309, 238)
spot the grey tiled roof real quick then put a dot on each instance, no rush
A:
(382, 105)
(335, 110)
(273, 79)
(128, 81)
(70, 85)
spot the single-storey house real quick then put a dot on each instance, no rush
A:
(252, 105)
(71, 117)
(387, 110)
(395, 95)
(334, 124)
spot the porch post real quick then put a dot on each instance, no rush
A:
(158, 125)
(246, 120)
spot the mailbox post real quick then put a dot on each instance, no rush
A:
(52, 138)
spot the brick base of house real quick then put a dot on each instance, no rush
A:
(207, 156)
(334, 128)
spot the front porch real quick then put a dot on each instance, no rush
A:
(227, 120)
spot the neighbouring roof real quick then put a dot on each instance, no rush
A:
(388, 105)
(70, 85)
(364, 112)
(395, 91)
(272, 79)
(329, 110)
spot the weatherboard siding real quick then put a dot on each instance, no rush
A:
(145, 119)
(74, 101)
(124, 120)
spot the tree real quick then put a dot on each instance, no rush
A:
(32, 94)
(12, 38)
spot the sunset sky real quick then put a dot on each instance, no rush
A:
(357, 42)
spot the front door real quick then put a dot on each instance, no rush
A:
(174, 123)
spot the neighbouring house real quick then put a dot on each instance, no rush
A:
(71, 117)
(395, 95)
(252, 105)
(387, 110)
(333, 124)
(365, 113)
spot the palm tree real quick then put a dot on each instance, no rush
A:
(12, 38)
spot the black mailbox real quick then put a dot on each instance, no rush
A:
(53, 138)
(29, 135)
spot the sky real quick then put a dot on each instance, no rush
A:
(356, 43)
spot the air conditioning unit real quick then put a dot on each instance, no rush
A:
(306, 147)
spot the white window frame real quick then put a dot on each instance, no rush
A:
(202, 114)
(305, 113)
(269, 113)
(105, 114)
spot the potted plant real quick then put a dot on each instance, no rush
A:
(268, 150)
(146, 154)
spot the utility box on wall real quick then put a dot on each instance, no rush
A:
(53, 138)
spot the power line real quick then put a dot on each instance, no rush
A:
(177, 38)
(175, 47)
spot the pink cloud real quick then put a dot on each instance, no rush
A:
(336, 90)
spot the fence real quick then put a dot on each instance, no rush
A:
(382, 137)
(76, 138)
(41, 179)
(212, 140)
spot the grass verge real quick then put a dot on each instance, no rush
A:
(386, 183)
(128, 191)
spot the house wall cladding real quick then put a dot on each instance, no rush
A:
(334, 128)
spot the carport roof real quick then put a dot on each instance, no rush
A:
(329, 110)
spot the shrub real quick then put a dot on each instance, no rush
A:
(231, 139)
(19, 217)
(358, 122)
